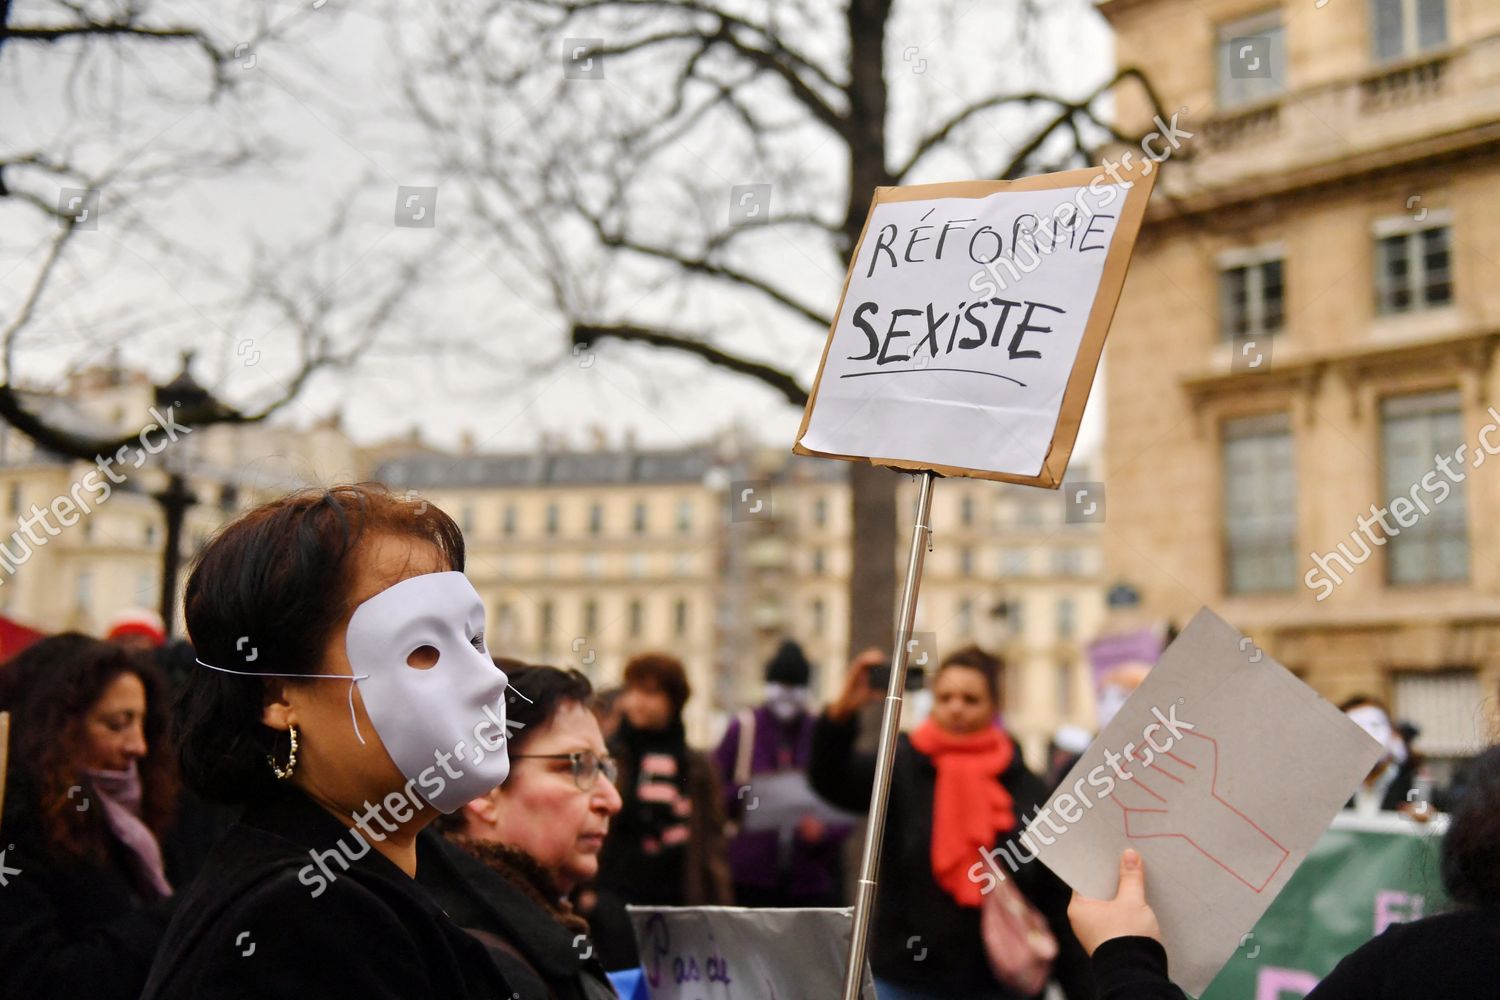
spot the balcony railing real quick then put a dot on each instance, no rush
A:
(1408, 84)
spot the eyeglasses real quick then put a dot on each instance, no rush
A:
(585, 764)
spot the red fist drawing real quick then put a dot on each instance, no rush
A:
(1175, 794)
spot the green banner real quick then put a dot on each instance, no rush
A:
(1364, 875)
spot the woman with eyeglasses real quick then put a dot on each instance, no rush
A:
(504, 865)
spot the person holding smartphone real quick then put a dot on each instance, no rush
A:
(959, 786)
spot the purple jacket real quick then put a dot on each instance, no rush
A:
(754, 856)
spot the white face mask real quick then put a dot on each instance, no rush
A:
(443, 726)
(784, 701)
(1111, 699)
(1375, 722)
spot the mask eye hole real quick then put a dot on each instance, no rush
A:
(422, 658)
(478, 641)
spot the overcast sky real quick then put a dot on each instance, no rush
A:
(323, 107)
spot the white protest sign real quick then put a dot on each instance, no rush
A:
(720, 952)
(971, 324)
(1222, 770)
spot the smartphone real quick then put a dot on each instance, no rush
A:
(880, 677)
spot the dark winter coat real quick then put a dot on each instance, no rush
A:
(1454, 956)
(69, 927)
(250, 926)
(540, 957)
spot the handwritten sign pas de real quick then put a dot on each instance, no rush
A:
(971, 324)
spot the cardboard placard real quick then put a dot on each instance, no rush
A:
(724, 952)
(971, 323)
(1223, 770)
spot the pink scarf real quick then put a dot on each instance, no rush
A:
(120, 794)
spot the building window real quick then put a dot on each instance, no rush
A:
(684, 516)
(820, 512)
(818, 616)
(1403, 28)
(637, 565)
(553, 518)
(818, 567)
(966, 512)
(505, 622)
(1252, 295)
(638, 519)
(1429, 512)
(466, 520)
(508, 521)
(593, 565)
(546, 621)
(1064, 689)
(83, 594)
(966, 561)
(680, 618)
(1413, 266)
(1015, 562)
(13, 499)
(145, 586)
(1015, 617)
(150, 532)
(1260, 505)
(1065, 616)
(590, 617)
(1441, 703)
(1067, 562)
(596, 518)
(1252, 59)
(636, 615)
(965, 618)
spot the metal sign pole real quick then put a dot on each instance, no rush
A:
(869, 866)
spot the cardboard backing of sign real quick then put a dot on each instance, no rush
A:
(1075, 397)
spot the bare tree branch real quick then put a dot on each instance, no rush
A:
(585, 334)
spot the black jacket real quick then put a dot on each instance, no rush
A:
(70, 928)
(1453, 956)
(251, 926)
(920, 935)
(540, 958)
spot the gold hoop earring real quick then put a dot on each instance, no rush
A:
(291, 760)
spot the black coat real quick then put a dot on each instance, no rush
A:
(251, 927)
(540, 958)
(1454, 956)
(921, 936)
(71, 928)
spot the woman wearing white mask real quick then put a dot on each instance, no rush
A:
(798, 865)
(346, 698)
(84, 892)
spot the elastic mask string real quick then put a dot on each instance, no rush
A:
(338, 677)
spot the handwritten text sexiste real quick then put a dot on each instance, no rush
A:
(960, 326)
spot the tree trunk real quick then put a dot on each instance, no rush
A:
(872, 490)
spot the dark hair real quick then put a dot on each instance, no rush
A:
(974, 658)
(48, 689)
(534, 696)
(274, 584)
(1471, 848)
(662, 671)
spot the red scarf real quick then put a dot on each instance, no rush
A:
(969, 805)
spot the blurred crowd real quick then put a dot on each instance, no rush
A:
(164, 814)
